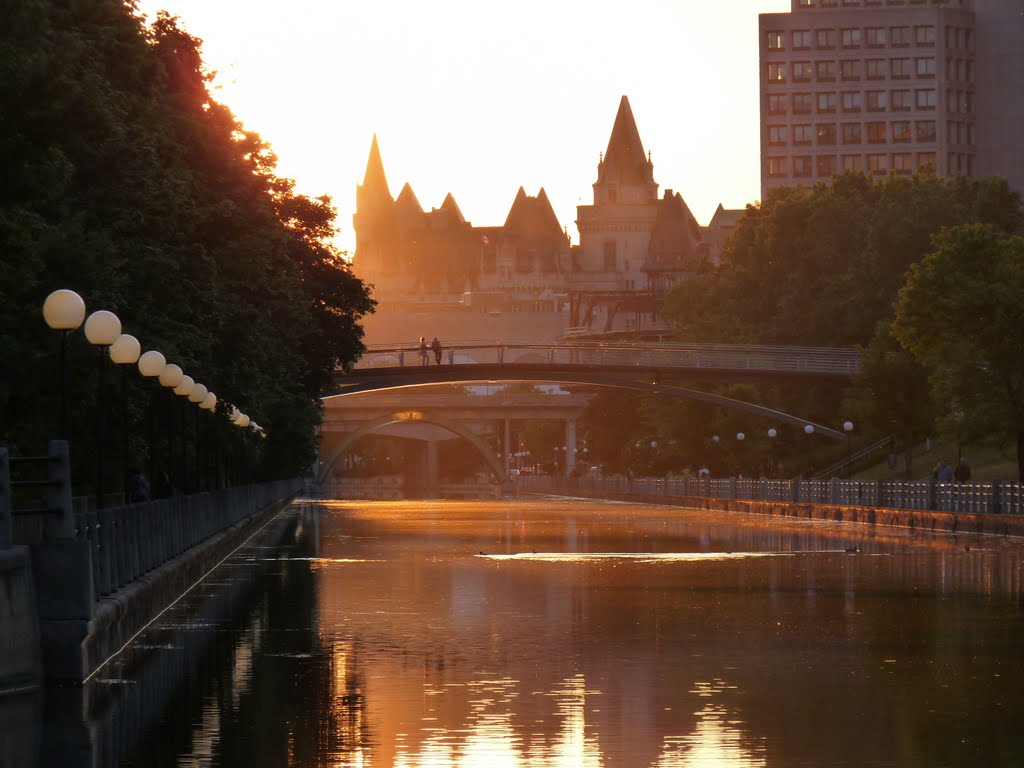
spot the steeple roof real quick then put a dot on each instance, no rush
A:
(625, 158)
(374, 180)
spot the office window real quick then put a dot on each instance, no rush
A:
(899, 68)
(924, 35)
(775, 104)
(877, 164)
(827, 166)
(901, 131)
(776, 166)
(902, 162)
(925, 130)
(826, 38)
(801, 38)
(877, 100)
(876, 69)
(851, 69)
(851, 101)
(802, 166)
(801, 71)
(777, 134)
(925, 67)
(925, 98)
(802, 134)
(925, 159)
(899, 36)
(851, 133)
(853, 163)
(776, 73)
(953, 132)
(874, 36)
(826, 134)
(876, 133)
(826, 71)
(850, 38)
(803, 103)
(827, 102)
(775, 40)
(902, 99)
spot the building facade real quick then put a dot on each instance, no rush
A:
(886, 86)
(634, 245)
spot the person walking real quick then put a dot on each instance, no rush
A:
(436, 346)
(962, 474)
(138, 486)
(424, 355)
(943, 472)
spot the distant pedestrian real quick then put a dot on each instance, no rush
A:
(138, 486)
(424, 354)
(162, 487)
(703, 472)
(943, 473)
(963, 471)
(436, 346)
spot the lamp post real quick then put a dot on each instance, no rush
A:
(196, 396)
(125, 352)
(808, 430)
(209, 404)
(151, 364)
(847, 428)
(772, 434)
(184, 389)
(170, 378)
(63, 311)
(740, 437)
(101, 329)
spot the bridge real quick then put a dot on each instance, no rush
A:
(637, 366)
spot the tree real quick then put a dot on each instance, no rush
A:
(961, 313)
(891, 394)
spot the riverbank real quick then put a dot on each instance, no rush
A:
(914, 519)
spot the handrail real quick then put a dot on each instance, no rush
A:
(837, 467)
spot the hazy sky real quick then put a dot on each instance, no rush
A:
(479, 98)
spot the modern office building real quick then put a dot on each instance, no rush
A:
(891, 86)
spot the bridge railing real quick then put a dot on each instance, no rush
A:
(972, 498)
(813, 360)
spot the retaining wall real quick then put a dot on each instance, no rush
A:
(20, 659)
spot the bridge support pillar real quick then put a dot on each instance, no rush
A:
(433, 474)
(570, 446)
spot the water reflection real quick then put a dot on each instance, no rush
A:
(486, 634)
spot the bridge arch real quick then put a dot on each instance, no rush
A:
(404, 377)
(398, 418)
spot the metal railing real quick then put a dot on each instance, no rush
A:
(129, 541)
(668, 356)
(972, 498)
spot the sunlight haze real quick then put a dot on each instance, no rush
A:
(478, 99)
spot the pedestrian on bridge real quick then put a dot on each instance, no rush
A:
(424, 355)
(436, 346)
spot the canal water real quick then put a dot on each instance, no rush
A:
(558, 632)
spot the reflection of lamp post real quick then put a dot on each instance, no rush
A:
(848, 428)
(772, 434)
(63, 311)
(101, 329)
(125, 352)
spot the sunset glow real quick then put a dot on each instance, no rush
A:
(471, 100)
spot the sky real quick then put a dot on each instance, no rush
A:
(478, 98)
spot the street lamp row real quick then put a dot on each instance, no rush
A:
(64, 311)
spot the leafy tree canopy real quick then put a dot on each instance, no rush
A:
(125, 181)
(961, 313)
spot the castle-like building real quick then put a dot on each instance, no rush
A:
(634, 245)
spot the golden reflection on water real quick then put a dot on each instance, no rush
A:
(558, 634)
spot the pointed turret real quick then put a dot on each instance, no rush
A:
(452, 208)
(374, 214)
(625, 174)
(625, 154)
(408, 211)
(374, 181)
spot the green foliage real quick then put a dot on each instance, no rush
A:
(961, 313)
(822, 265)
(125, 181)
